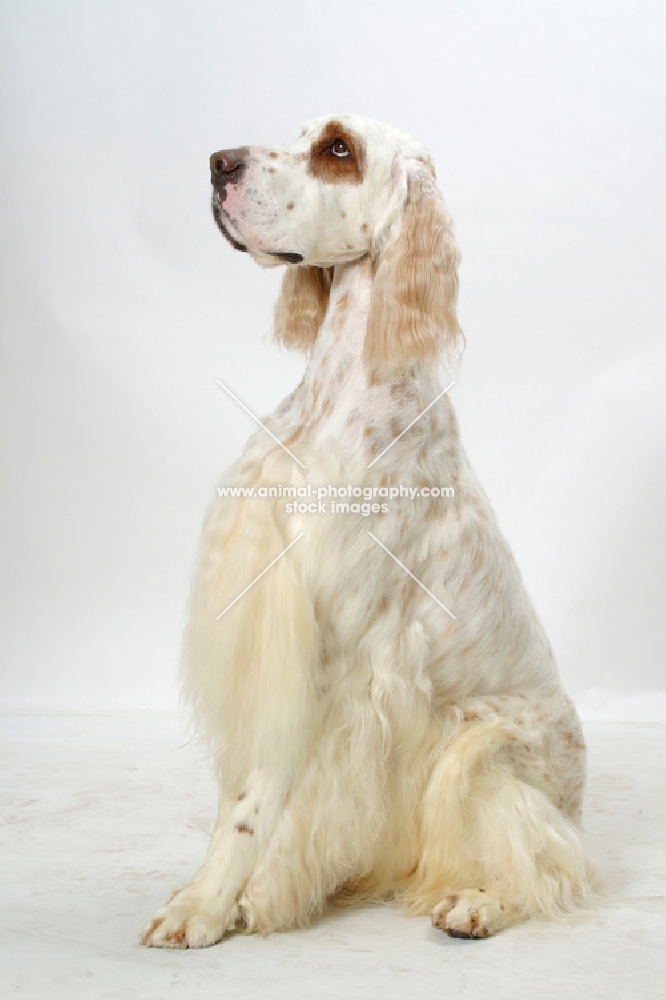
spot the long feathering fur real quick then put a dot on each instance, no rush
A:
(301, 306)
(497, 830)
(413, 307)
(229, 662)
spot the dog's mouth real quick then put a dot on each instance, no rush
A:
(287, 256)
(224, 225)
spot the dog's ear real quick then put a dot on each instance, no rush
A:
(302, 305)
(415, 289)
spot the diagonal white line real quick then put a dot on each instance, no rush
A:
(258, 421)
(423, 587)
(411, 425)
(259, 577)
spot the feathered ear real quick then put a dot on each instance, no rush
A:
(415, 290)
(302, 305)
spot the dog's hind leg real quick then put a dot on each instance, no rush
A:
(500, 839)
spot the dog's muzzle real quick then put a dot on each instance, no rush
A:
(228, 166)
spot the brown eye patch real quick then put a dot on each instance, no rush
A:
(337, 156)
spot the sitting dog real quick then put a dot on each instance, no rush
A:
(381, 701)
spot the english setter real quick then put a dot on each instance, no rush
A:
(381, 701)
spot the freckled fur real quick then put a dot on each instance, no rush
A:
(380, 747)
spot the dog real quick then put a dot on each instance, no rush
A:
(378, 694)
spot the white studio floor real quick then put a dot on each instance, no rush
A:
(101, 817)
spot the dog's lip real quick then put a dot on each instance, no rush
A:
(220, 216)
(224, 222)
(288, 256)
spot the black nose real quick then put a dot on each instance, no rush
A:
(228, 164)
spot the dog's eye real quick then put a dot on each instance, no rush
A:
(340, 148)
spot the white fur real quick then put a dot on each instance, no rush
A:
(366, 743)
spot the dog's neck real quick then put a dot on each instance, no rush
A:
(342, 333)
(339, 396)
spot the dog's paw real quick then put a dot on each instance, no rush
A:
(470, 914)
(188, 920)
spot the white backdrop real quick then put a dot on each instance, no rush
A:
(121, 305)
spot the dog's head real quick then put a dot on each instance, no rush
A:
(347, 188)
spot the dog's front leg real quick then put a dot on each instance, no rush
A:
(252, 676)
(199, 914)
(272, 750)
